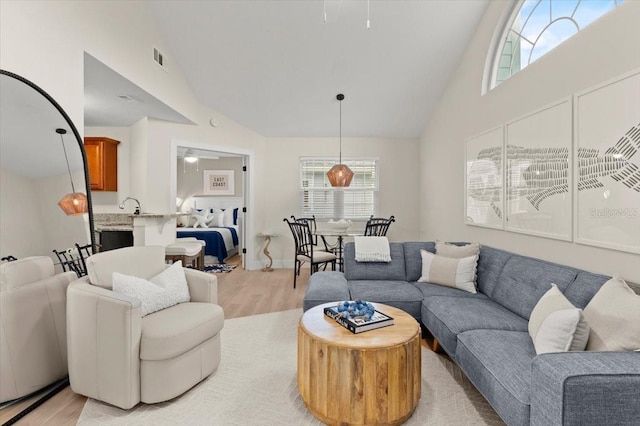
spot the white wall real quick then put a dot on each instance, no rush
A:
(607, 48)
(190, 180)
(399, 178)
(45, 41)
(20, 210)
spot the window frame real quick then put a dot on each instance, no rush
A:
(509, 15)
(336, 191)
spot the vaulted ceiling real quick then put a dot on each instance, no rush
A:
(276, 66)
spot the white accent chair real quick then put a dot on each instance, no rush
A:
(118, 356)
(33, 337)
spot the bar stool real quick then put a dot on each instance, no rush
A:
(187, 252)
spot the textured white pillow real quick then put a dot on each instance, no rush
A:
(457, 273)
(166, 289)
(555, 325)
(614, 317)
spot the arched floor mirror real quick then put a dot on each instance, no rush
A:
(42, 163)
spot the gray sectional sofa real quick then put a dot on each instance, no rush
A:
(486, 333)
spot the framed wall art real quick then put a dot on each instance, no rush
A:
(483, 193)
(607, 164)
(218, 182)
(538, 172)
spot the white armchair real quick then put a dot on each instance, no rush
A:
(33, 338)
(118, 356)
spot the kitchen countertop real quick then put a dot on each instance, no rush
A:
(101, 227)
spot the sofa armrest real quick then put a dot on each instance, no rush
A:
(103, 340)
(585, 388)
(203, 287)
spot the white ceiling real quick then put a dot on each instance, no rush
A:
(276, 68)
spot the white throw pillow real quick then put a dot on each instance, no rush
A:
(452, 250)
(614, 317)
(166, 289)
(555, 325)
(216, 220)
(450, 272)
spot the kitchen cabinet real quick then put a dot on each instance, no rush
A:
(102, 160)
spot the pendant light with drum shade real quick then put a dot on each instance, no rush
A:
(75, 203)
(340, 175)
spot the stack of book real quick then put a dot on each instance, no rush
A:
(358, 324)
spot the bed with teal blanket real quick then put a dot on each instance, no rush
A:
(221, 242)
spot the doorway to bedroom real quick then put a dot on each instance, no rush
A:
(212, 190)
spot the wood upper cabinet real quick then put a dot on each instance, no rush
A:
(102, 158)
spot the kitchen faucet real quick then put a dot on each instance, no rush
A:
(138, 208)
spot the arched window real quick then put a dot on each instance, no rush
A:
(535, 27)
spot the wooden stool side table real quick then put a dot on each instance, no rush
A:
(359, 379)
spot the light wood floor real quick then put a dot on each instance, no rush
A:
(240, 293)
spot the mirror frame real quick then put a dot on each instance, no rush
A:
(73, 128)
(50, 390)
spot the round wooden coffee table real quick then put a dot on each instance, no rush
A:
(359, 379)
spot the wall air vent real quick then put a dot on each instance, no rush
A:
(158, 57)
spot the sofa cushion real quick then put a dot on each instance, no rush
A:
(413, 259)
(498, 363)
(175, 330)
(431, 290)
(584, 287)
(490, 264)
(451, 272)
(614, 317)
(447, 317)
(556, 325)
(457, 251)
(524, 280)
(325, 287)
(399, 294)
(392, 271)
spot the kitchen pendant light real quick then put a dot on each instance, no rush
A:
(340, 175)
(74, 203)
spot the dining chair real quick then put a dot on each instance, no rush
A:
(378, 226)
(305, 252)
(74, 259)
(312, 225)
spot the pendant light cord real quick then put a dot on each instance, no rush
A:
(340, 162)
(67, 160)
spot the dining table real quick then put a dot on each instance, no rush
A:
(340, 235)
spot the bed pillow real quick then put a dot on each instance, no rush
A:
(614, 317)
(217, 220)
(202, 218)
(166, 289)
(555, 325)
(228, 217)
(235, 216)
(450, 272)
(451, 250)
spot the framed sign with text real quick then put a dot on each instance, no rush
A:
(218, 182)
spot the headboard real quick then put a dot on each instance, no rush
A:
(214, 202)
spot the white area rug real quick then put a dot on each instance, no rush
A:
(256, 385)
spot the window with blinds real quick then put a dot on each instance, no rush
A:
(317, 197)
